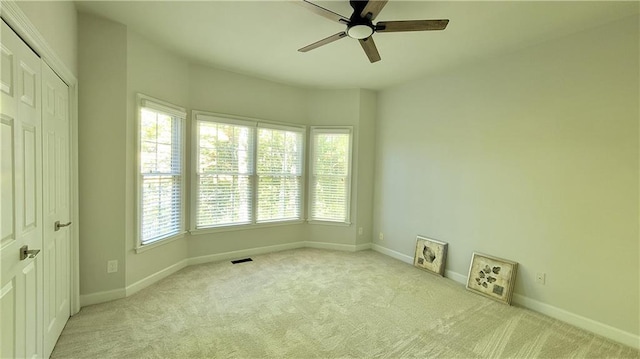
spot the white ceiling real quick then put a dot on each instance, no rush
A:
(261, 38)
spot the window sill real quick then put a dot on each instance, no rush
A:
(145, 247)
(329, 223)
(243, 227)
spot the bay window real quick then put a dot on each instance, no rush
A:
(245, 172)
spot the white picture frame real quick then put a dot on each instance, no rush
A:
(431, 255)
(492, 277)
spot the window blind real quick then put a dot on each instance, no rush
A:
(279, 169)
(247, 171)
(161, 178)
(224, 175)
(331, 174)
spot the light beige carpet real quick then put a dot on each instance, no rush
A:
(310, 303)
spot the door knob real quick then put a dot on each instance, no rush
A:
(58, 225)
(25, 252)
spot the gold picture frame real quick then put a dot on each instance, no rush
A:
(492, 277)
(431, 255)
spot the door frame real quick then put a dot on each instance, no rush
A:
(20, 23)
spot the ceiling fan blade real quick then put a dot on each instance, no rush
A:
(411, 25)
(370, 49)
(373, 7)
(324, 41)
(324, 12)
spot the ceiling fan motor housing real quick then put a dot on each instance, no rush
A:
(358, 5)
(359, 27)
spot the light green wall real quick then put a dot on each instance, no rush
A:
(126, 63)
(226, 92)
(236, 240)
(102, 114)
(335, 108)
(155, 72)
(356, 108)
(365, 142)
(57, 22)
(531, 157)
(230, 93)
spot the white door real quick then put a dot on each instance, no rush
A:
(55, 175)
(21, 205)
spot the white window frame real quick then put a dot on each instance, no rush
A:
(302, 133)
(312, 154)
(144, 101)
(198, 116)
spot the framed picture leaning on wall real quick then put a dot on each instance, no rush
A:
(492, 277)
(431, 255)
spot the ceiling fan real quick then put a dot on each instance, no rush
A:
(360, 25)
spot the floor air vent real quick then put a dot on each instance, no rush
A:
(242, 260)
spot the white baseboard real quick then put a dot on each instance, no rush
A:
(363, 246)
(101, 297)
(579, 321)
(147, 281)
(243, 253)
(332, 246)
(455, 276)
(409, 260)
(393, 254)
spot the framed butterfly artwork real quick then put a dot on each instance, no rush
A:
(431, 255)
(492, 277)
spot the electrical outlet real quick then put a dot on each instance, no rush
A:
(541, 278)
(112, 266)
(360, 231)
(381, 236)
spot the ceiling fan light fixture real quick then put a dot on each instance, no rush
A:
(359, 31)
(360, 25)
